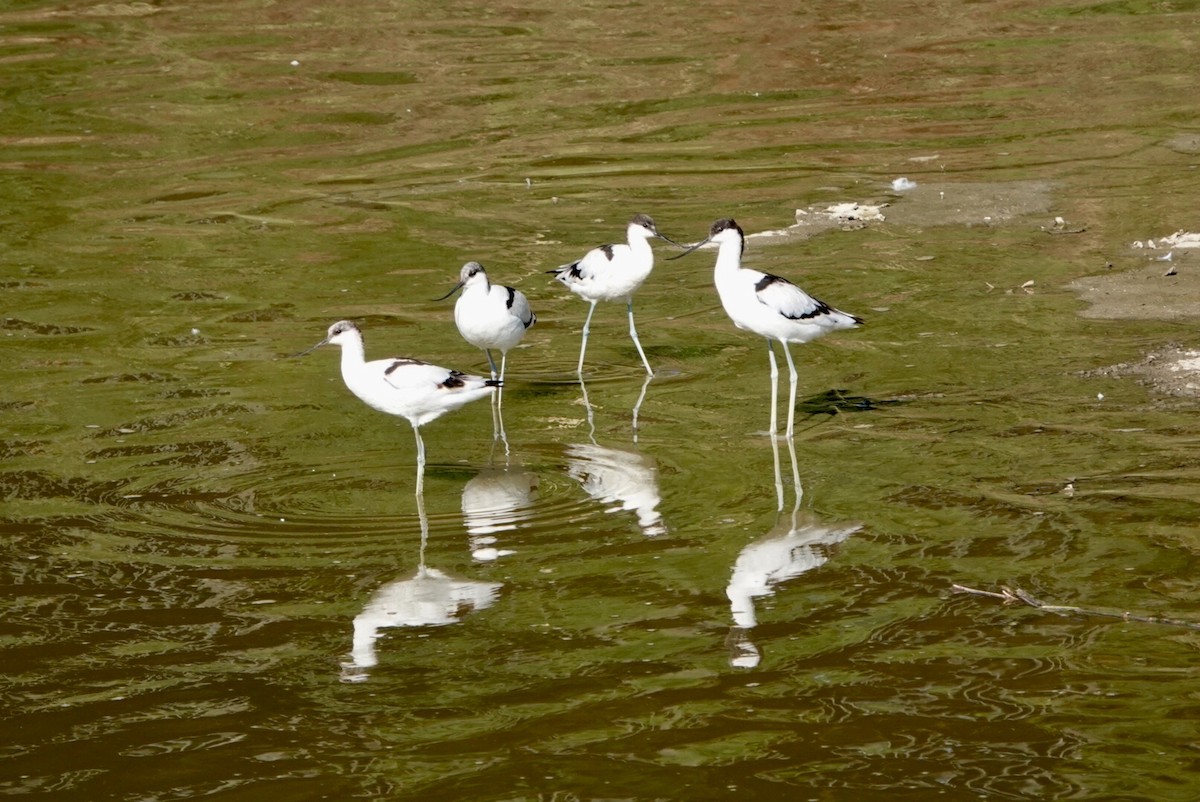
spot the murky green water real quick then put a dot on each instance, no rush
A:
(196, 528)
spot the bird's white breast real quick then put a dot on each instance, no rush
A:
(485, 321)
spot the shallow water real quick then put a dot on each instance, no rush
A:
(196, 526)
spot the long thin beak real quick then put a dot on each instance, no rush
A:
(310, 350)
(699, 244)
(668, 239)
(457, 287)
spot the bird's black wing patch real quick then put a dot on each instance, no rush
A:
(399, 363)
(767, 280)
(820, 309)
(789, 300)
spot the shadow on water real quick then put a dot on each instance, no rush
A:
(832, 402)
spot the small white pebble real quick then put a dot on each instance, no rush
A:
(295, 63)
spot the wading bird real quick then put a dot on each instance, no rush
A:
(416, 391)
(490, 316)
(768, 305)
(613, 273)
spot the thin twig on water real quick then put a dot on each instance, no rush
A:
(1014, 595)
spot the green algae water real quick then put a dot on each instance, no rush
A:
(218, 582)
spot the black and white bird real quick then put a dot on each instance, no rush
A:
(769, 305)
(490, 316)
(613, 273)
(416, 391)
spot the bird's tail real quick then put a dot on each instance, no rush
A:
(565, 273)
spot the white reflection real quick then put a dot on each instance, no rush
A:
(429, 598)
(496, 501)
(626, 480)
(795, 544)
(498, 433)
(591, 417)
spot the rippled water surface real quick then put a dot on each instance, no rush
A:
(218, 580)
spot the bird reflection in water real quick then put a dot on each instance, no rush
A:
(496, 500)
(795, 545)
(591, 413)
(429, 598)
(627, 480)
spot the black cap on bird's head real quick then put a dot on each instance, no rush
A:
(333, 334)
(717, 228)
(725, 224)
(468, 272)
(647, 222)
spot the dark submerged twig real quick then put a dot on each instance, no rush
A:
(1013, 595)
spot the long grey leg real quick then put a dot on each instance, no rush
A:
(774, 387)
(792, 394)
(420, 461)
(636, 342)
(587, 324)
